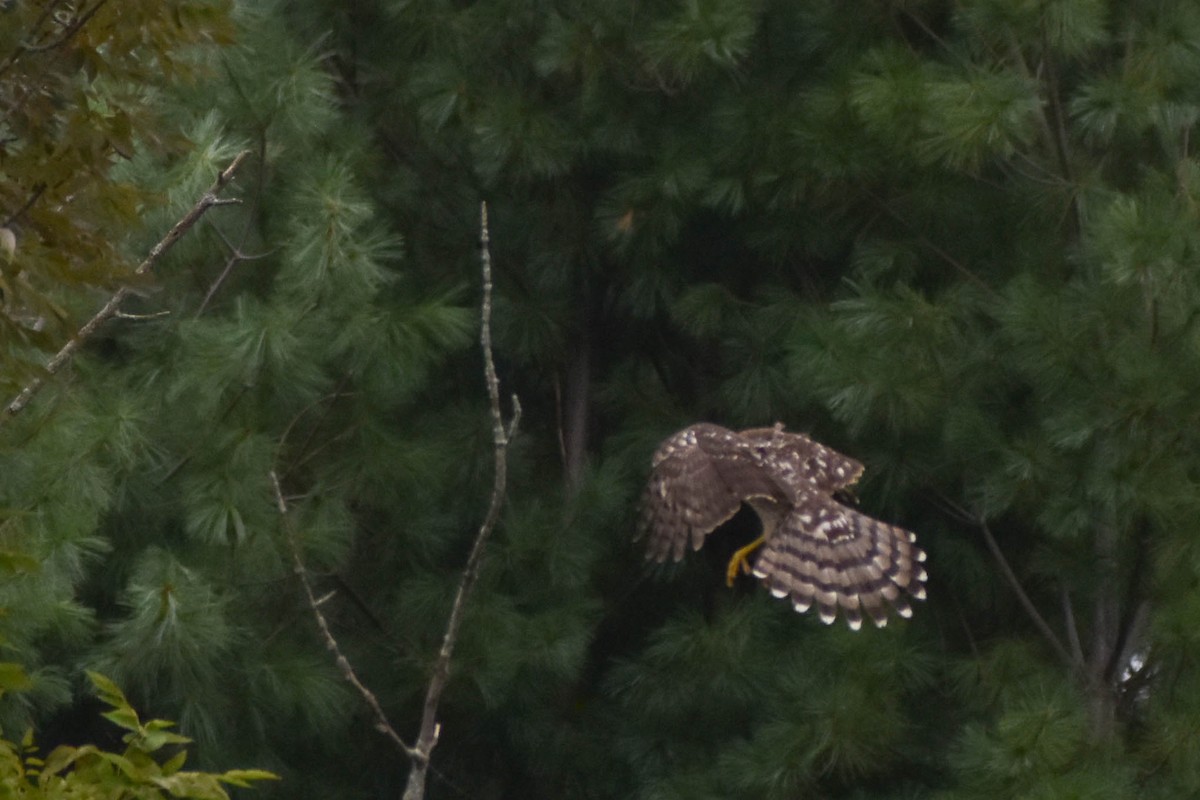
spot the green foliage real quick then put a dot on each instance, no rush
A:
(79, 90)
(957, 243)
(141, 505)
(142, 769)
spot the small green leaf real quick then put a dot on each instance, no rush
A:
(13, 678)
(242, 777)
(197, 785)
(107, 690)
(123, 717)
(152, 740)
(174, 763)
(122, 763)
(62, 757)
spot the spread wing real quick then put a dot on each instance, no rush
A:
(801, 463)
(817, 552)
(831, 556)
(701, 476)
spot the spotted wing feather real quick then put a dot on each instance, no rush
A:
(817, 552)
(802, 464)
(827, 555)
(689, 493)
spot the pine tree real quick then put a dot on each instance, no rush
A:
(78, 88)
(952, 240)
(78, 92)
(283, 330)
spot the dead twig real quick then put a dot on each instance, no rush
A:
(110, 309)
(236, 254)
(314, 603)
(501, 437)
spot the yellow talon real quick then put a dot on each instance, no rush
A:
(741, 561)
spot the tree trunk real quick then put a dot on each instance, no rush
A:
(575, 413)
(1106, 623)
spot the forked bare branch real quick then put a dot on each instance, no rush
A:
(209, 199)
(501, 437)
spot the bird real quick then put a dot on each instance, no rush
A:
(814, 550)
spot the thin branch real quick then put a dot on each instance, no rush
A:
(236, 254)
(381, 721)
(1061, 141)
(1038, 620)
(327, 403)
(186, 459)
(185, 223)
(501, 437)
(924, 240)
(962, 514)
(928, 31)
(142, 317)
(1053, 121)
(38, 190)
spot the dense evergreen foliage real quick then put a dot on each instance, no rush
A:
(78, 91)
(954, 240)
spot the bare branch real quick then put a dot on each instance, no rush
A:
(236, 256)
(142, 317)
(185, 223)
(501, 437)
(1038, 620)
(314, 604)
(1014, 583)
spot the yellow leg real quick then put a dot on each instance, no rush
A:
(740, 560)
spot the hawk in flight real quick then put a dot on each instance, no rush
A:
(813, 550)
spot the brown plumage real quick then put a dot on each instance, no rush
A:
(814, 550)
